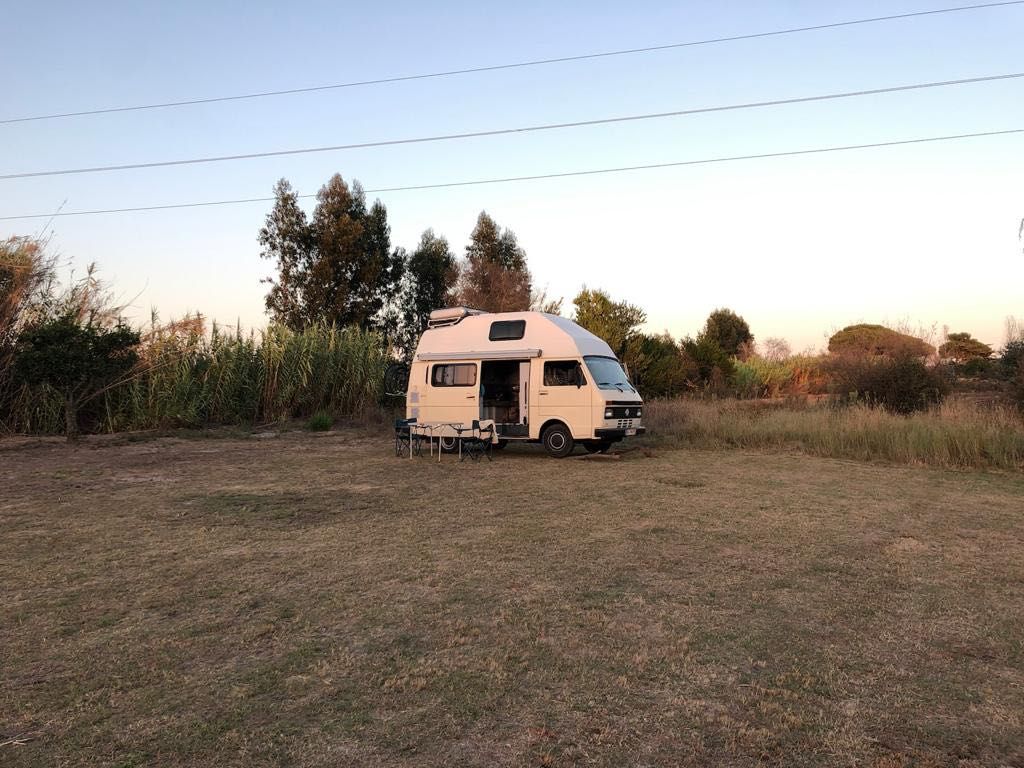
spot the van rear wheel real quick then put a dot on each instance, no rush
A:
(558, 441)
(449, 444)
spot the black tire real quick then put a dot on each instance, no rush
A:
(597, 446)
(499, 446)
(448, 444)
(558, 441)
(396, 379)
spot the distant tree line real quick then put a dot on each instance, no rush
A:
(343, 301)
(338, 266)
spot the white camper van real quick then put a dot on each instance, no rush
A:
(539, 377)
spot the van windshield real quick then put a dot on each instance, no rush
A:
(608, 374)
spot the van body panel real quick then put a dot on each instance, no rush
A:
(455, 403)
(562, 401)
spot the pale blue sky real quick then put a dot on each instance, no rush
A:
(799, 246)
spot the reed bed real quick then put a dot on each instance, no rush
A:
(957, 434)
(190, 379)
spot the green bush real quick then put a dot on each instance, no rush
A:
(977, 368)
(1012, 356)
(714, 368)
(902, 385)
(1017, 386)
(76, 362)
(658, 366)
(320, 422)
(757, 377)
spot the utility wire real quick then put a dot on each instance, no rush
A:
(565, 174)
(514, 65)
(521, 129)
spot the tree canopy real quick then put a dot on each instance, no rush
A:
(431, 273)
(494, 276)
(336, 267)
(867, 340)
(617, 322)
(962, 348)
(728, 330)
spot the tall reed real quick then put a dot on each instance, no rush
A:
(190, 379)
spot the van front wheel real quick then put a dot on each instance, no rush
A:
(558, 441)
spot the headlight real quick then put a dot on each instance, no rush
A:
(608, 413)
(639, 412)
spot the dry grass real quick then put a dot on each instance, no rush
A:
(309, 600)
(959, 434)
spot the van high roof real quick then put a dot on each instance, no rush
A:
(461, 333)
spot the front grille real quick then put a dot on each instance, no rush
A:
(628, 412)
(625, 424)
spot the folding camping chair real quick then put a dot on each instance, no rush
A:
(405, 438)
(479, 442)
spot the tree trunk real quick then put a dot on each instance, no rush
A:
(70, 419)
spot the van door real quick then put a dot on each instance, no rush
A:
(561, 391)
(452, 393)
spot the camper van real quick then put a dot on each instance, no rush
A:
(538, 377)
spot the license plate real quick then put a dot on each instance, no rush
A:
(630, 432)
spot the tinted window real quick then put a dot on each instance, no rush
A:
(454, 375)
(507, 330)
(562, 373)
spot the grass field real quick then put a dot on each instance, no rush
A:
(959, 434)
(311, 600)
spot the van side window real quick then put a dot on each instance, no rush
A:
(454, 375)
(507, 330)
(562, 373)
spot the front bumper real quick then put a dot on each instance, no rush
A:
(615, 434)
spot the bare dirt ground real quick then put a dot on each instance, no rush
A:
(312, 600)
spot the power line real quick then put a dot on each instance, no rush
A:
(562, 175)
(513, 65)
(520, 129)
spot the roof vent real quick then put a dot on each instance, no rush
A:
(450, 316)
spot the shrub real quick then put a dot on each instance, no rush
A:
(658, 366)
(809, 375)
(1012, 356)
(76, 361)
(747, 381)
(902, 385)
(977, 368)
(1017, 386)
(713, 367)
(758, 377)
(320, 422)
